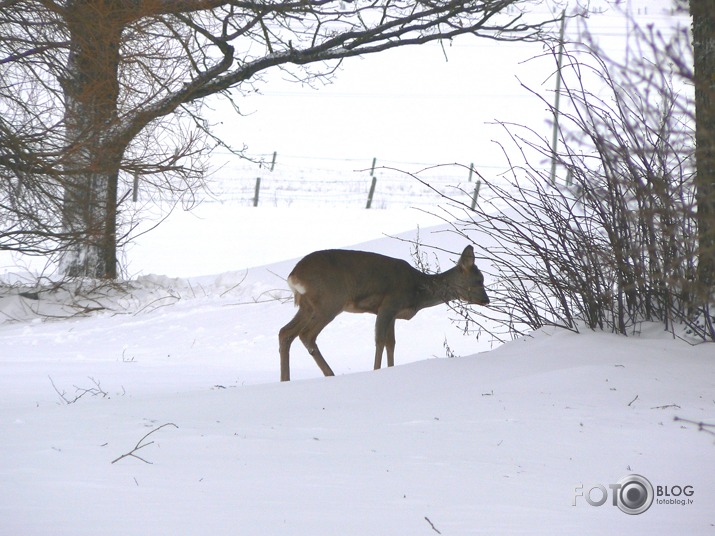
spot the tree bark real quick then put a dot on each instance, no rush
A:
(703, 13)
(92, 161)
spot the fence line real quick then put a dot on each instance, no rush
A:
(374, 186)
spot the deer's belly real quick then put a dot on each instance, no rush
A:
(372, 305)
(365, 305)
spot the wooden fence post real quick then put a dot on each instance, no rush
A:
(476, 194)
(372, 186)
(258, 189)
(135, 188)
(258, 180)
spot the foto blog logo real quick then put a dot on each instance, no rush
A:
(634, 494)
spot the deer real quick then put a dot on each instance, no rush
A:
(327, 283)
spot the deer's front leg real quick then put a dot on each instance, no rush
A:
(390, 344)
(384, 336)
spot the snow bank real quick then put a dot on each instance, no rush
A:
(493, 443)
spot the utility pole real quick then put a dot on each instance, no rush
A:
(557, 100)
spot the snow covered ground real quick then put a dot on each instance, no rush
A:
(488, 442)
(155, 408)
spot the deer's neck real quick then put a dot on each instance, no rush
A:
(435, 289)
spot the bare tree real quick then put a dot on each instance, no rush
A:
(95, 91)
(615, 241)
(703, 13)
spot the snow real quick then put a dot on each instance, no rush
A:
(492, 441)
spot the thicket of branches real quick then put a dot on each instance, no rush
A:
(613, 241)
(96, 92)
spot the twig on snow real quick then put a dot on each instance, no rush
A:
(432, 525)
(140, 445)
(80, 391)
(708, 428)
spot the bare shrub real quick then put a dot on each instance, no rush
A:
(616, 244)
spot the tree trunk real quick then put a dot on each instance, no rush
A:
(703, 13)
(90, 208)
(92, 160)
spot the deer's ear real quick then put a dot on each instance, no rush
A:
(466, 261)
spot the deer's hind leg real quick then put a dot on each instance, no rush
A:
(287, 335)
(309, 335)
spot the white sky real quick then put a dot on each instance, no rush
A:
(410, 106)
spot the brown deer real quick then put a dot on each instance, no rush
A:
(326, 283)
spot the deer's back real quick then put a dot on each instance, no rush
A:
(358, 281)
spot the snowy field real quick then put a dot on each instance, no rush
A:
(154, 407)
(487, 442)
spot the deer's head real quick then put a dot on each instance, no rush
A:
(467, 281)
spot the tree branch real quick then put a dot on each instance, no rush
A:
(400, 30)
(140, 445)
